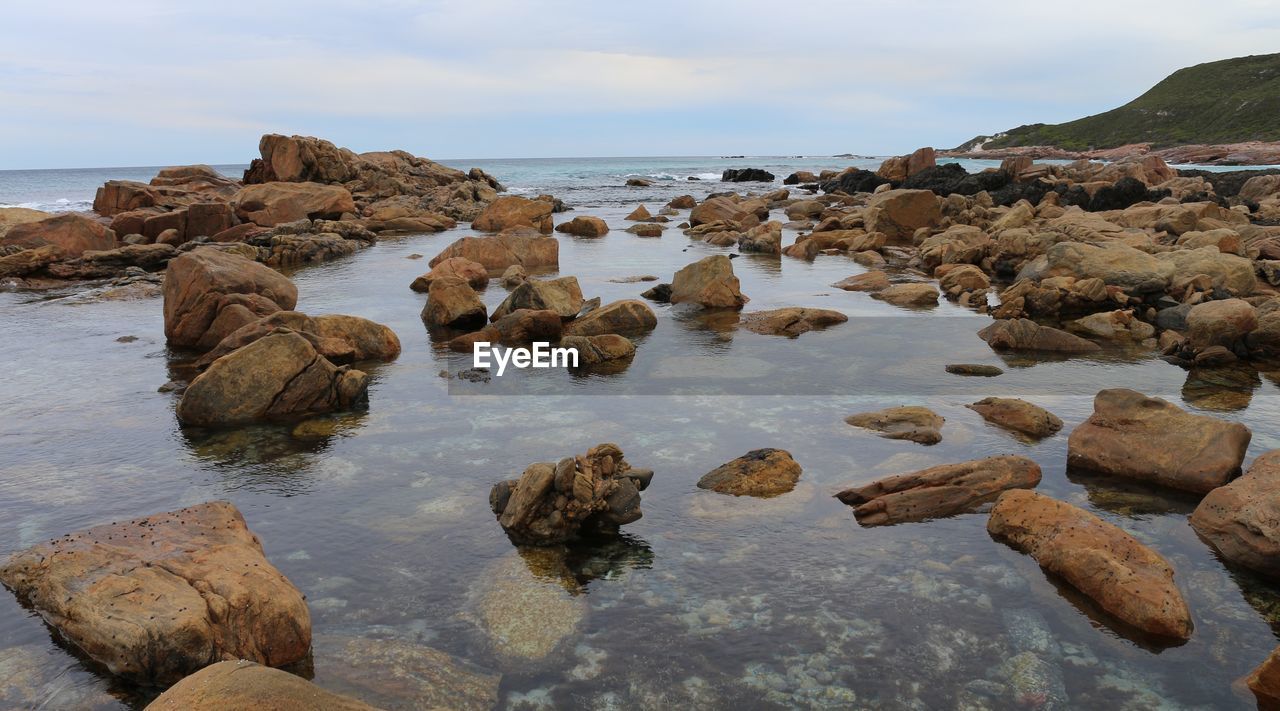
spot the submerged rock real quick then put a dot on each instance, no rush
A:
(1032, 421)
(974, 369)
(245, 686)
(939, 491)
(525, 617)
(157, 598)
(791, 321)
(709, 283)
(1124, 577)
(553, 503)
(1133, 436)
(911, 422)
(761, 473)
(1242, 519)
(397, 674)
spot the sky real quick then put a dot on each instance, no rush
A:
(150, 82)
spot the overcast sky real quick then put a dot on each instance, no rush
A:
(142, 82)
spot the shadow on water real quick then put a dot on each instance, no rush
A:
(1132, 498)
(1221, 389)
(574, 566)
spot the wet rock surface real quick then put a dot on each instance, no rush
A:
(761, 473)
(909, 422)
(939, 491)
(1031, 421)
(244, 686)
(1241, 520)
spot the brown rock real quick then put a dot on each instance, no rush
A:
(939, 491)
(717, 209)
(594, 350)
(791, 321)
(874, 280)
(1133, 436)
(1241, 520)
(1220, 323)
(764, 238)
(1022, 334)
(452, 303)
(762, 473)
(514, 211)
(206, 219)
(918, 424)
(12, 216)
(628, 317)
(498, 252)
(1031, 421)
(117, 196)
(1124, 577)
(638, 214)
(157, 598)
(516, 328)
(562, 295)
(1264, 681)
(269, 204)
(908, 294)
(708, 282)
(20, 264)
(208, 293)
(584, 226)
(244, 686)
(899, 213)
(72, 234)
(647, 229)
(471, 272)
(684, 202)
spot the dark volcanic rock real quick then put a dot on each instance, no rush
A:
(1125, 192)
(854, 180)
(744, 175)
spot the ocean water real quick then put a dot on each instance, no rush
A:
(381, 516)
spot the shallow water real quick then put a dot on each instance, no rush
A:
(708, 600)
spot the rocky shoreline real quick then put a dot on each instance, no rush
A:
(1243, 154)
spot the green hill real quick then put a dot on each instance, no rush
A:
(1219, 102)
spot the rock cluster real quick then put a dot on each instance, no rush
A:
(556, 502)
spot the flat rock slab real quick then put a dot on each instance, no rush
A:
(761, 473)
(1242, 519)
(1022, 334)
(157, 598)
(1124, 577)
(1134, 436)
(917, 424)
(974, 369)
(939, 491)
(245, 686)
(1030, 421)
(791, 321)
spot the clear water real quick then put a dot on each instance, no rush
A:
(707, 601)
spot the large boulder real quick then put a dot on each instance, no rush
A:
(761, 473)
(278, 376)
(584, 226)
(1115, 263)
(553, 503)
(1220, 323)
(709, 283)
(406, 213)
(765, 238)
(498, 252)
(909, 422)
(939, 491)
(791, 321)
(244, 686)
(10, 217)
(899, 213)
(513, 211)
(1242, 519)
(70, 233)
(1022, 334)
(270, 204)
(154, 599)
(628, 317)
(1260, 187)
(297, 159)
(206, 219)
(1226, 271)
(1111, 567)
(1132, 436)
(452, 303)
(604, 348)
(471, 272)
(746, 175)
(339, 338)
(717, 209)
(209, 293)
(562, 295)
(519, 327)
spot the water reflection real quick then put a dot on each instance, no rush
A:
(1132, 498)
(1223, 389)
(574, 566)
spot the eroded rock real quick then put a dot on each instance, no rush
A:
(939, 491)
(761, 473)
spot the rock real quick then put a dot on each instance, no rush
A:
(584, 226)
(1133, 436)
(874, 280)
(800, 177)
(562, 295)
(157, 598)
(1120, 325)
(974, 369)
(1264, 681)
(1220, 323)
(717, 209)
(908, 294)
(709, 283)
(519, 327)
(20, 264)
(1124, 577)
(514, 276)
(791, 321)
(452, 303)
(594, 350)
(399, 674)
(270, 204)
(1226, 271)
(278, 376)
(960, 279)
(762, 473)
(1241, 520)
(1020, 416)
(553, 503)
(1115, 263)
(244, 686)
(899, 213)
(939, 491)
(959, 244)
(746, 175)
(639, 183)
(628, 317)
(471, 272)
(501, 251)
(206, 219)
(639, 214)
(914, 423)
(340, 339)
(647, 229)
(209, 293)
(851, 181)
(12, 216)
(660, 293)
(1022, 334)
(514, 211)
(765, 239)
(683, 202)
(70, 233)
(525, 616)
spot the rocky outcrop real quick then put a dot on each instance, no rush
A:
(762, 473)
(939, 491)
(628, 317)
(791, 321)
(746, 175)
(909, 422)
(1030, 421)
(526, 249)
(1241, 520)
(406, 213)
(1022, 334)
(244, 686)
(270, 204)
(157, 598)
(1132, 436)
(554, 503)
(513, 211)
(765, 239)
(562, 296)
(1220, 323)
(452, 303)
(584, 226)
(340, 339)
(899, 213)
(278, 376)
(209, 293)
(718, 209)
(709, 283)
(471, 272)
(1124, 577)
(69, 233)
